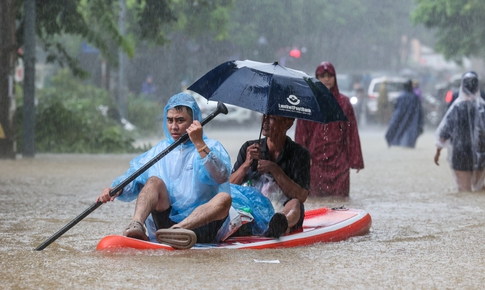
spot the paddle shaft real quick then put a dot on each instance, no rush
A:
(221, 108)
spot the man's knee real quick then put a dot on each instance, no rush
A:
(154, 180)
(225, 201)
(293, 204)
(156, 186)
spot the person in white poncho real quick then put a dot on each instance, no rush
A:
(462, 132)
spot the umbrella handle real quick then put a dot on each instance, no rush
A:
(221, 108)
(254, 165)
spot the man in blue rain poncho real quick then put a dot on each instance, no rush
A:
(184, 197)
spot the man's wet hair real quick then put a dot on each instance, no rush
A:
(182, 108)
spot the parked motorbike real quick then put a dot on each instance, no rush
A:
(432, 110)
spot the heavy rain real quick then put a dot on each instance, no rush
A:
(100, 89)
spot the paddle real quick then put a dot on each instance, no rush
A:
(221, 108)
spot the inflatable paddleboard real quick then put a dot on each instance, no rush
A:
(321, 225)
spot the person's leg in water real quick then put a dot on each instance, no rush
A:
(478, 180)
(463, 180)
(153, 196)
(216, 209)
(292, 212)
(284, 222)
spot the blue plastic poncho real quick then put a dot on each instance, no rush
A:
(251, 199)
(191, 181)
(407, 120)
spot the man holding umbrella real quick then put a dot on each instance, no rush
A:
(287, 162)
(281, 94)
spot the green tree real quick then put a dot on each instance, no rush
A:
(8, 50)
(95, 21)
(458, 25)
(198, 40)
(353, 34)
(69, 119)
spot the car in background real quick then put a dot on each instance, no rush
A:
(350, 86)
(235, 115)
(345, 84)
(394, 86)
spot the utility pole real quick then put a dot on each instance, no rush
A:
(121, 60)
(28, 123)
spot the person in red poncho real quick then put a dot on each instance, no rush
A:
(334, 147)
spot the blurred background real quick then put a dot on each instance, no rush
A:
(104, 69)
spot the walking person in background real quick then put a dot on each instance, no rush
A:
(384, 107)
(462, 132)
(334, 147)
(407, 120)
(148, 88)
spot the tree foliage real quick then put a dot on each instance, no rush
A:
(196, 35)
(69, 119)
(353, 34)
(458, 25)
(148, 22)
(95, 21)
(196, 18)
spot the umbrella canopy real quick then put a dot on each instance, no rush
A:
(270, 89)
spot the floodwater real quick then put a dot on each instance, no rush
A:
(424, 235)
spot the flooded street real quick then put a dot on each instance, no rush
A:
(424, 235)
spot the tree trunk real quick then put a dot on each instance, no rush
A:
(28, 121)
(122, 91)
(7, 58)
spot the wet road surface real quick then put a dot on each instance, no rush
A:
(424, 235)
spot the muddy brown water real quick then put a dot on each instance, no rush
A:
(424, 235)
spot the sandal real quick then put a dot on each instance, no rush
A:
(136, 230)
(277, 226)
(176, 237)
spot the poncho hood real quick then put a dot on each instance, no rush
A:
(326, 66)
(180, 99)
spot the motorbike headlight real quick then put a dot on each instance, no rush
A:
(354, 100)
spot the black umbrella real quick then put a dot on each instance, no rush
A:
(271, 89)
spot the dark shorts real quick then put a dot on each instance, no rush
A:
(205, 234)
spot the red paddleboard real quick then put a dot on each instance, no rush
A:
(321, 225)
